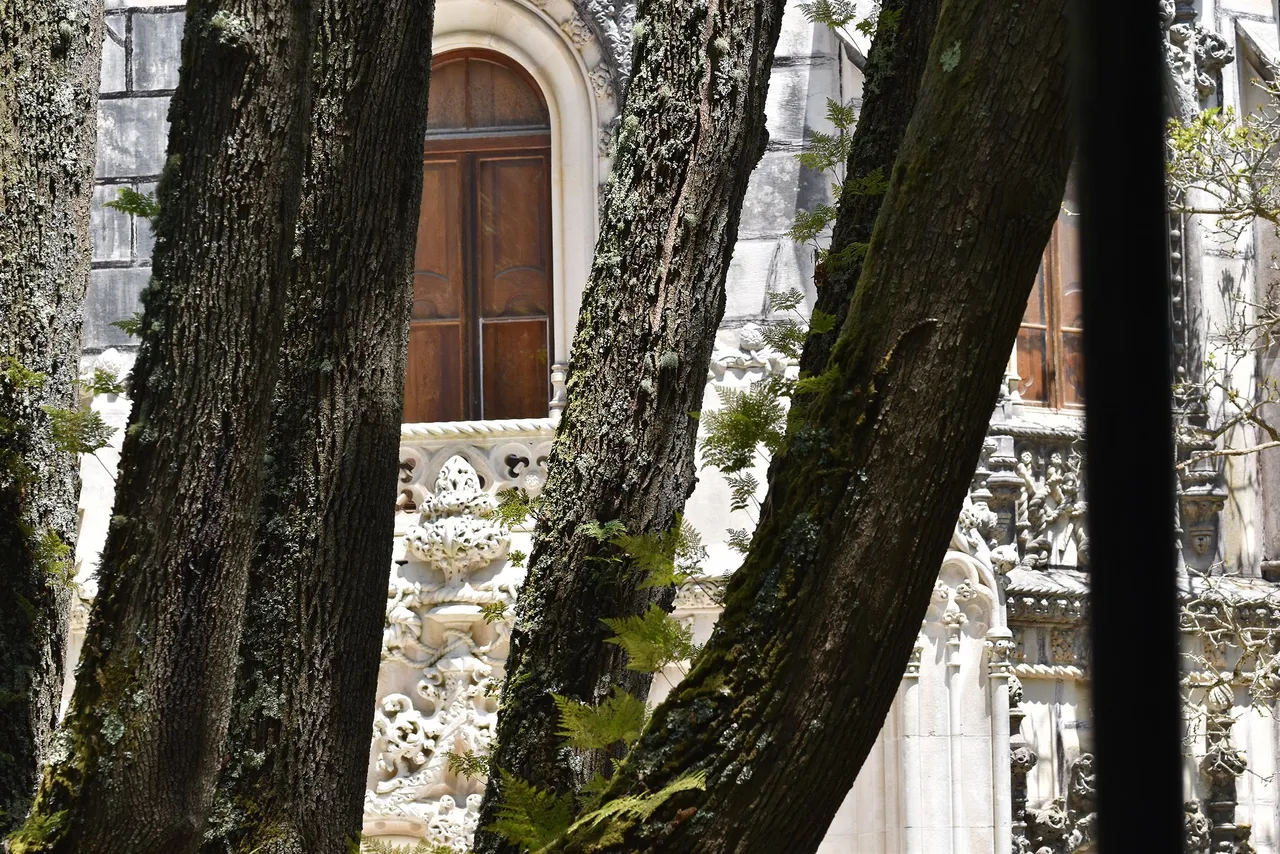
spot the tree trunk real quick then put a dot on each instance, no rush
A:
(48, 127)
(309, 655)
(786, 702)
(895, 65)
(140, 750)
(691, 133)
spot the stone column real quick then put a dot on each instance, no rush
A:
(999, 668)
(954, 621)
(912, 817)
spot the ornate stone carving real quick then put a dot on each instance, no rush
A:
(503, 455)
(437, 640)
(1065, 824)
(1193, 56)
(456, 532)
(1027, 499)
(612, 23)
(1196, 829)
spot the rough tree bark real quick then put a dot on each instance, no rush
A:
(299, 743)
(48, 127)
(137, 759)
(692, 131)
(892, 75)
(819, 621)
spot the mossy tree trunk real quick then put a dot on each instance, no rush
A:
(301, 721)
(48, 127)
(692, 131)
(138, 756)
(892, 75)
(788, 698)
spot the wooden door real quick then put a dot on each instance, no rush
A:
(480, 333)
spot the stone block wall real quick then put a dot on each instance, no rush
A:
(140, 59)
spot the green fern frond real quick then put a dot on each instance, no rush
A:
(787, 300)
(621, 717)
(130, 201)
(515, 505)
(131, 326)
(746, 420)
(833, 13)
(104, 382)
(469, 764)
(643, 806)
(78, 431)
(739, 540)
(652, 640)
(603, 532)
(821, 321)
(492, 612)
(529, 817)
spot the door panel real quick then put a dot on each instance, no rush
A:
(435, 381)
(513, 269)
(516, 379)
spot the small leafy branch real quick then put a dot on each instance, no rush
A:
(130, 201)
(469, 764)
(533, 818)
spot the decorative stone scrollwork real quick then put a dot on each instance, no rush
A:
(1065, 825)
(456, 532)
(442, 659)
(1196, 829)
(612, 23)
(503, 455)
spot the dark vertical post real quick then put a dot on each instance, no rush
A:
(1128, 426)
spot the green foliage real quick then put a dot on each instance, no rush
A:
(130, 325)
(103, 382)
(788, 300)
(643, 806)
(469, 764)
(130, 201)
(621, 717)
(517, 558)
(18, 377)
(739, 540)
(602, 532)
(742, 489)
(529, 817)
(809, 225)
(746, 420)
(515, 505)
(50, 552)
(652, 640)
(833, 13)
(666, 557)
(820, 322)
(78, 431)
(492, 612)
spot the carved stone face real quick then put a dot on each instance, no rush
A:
(1201, 541)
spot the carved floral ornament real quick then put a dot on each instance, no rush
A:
(443, 660)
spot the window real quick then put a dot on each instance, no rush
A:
(1050, 362)
(481, 322)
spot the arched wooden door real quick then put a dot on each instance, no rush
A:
(481, 325)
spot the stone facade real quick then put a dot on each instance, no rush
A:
(986, 748)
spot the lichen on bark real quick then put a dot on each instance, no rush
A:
(692, 130)
(48, 127)
(299, 742)
(143, 738)
(819, 621)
